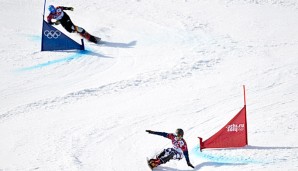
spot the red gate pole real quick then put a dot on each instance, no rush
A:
(245, 113)
(244, 95)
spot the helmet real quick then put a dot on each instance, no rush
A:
(179, 132)
(52, 9)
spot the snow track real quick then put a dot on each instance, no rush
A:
(163, 65)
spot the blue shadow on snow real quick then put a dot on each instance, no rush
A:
(221, 159)
(66, 59)
(199, 166)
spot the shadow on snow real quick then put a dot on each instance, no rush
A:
(199, 166)
(118, 44)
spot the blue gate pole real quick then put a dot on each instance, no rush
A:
(44, 9)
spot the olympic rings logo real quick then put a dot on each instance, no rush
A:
(52, 34)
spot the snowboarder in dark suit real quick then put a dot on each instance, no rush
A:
(62, 18)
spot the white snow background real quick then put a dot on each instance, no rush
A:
(166, 64)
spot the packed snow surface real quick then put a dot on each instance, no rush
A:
(164, 64)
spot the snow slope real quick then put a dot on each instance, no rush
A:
(165, 65)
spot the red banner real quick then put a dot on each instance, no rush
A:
(233, 134)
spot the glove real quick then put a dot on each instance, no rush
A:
(57, 22)
(71, 8)
(149, 131)
(190, 165)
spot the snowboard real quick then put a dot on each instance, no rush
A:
(149, 164)
(94, 39)
(90, 37)
(97, 40)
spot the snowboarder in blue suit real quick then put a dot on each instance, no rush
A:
(177, 152)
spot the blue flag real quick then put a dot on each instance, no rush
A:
(53, 39)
